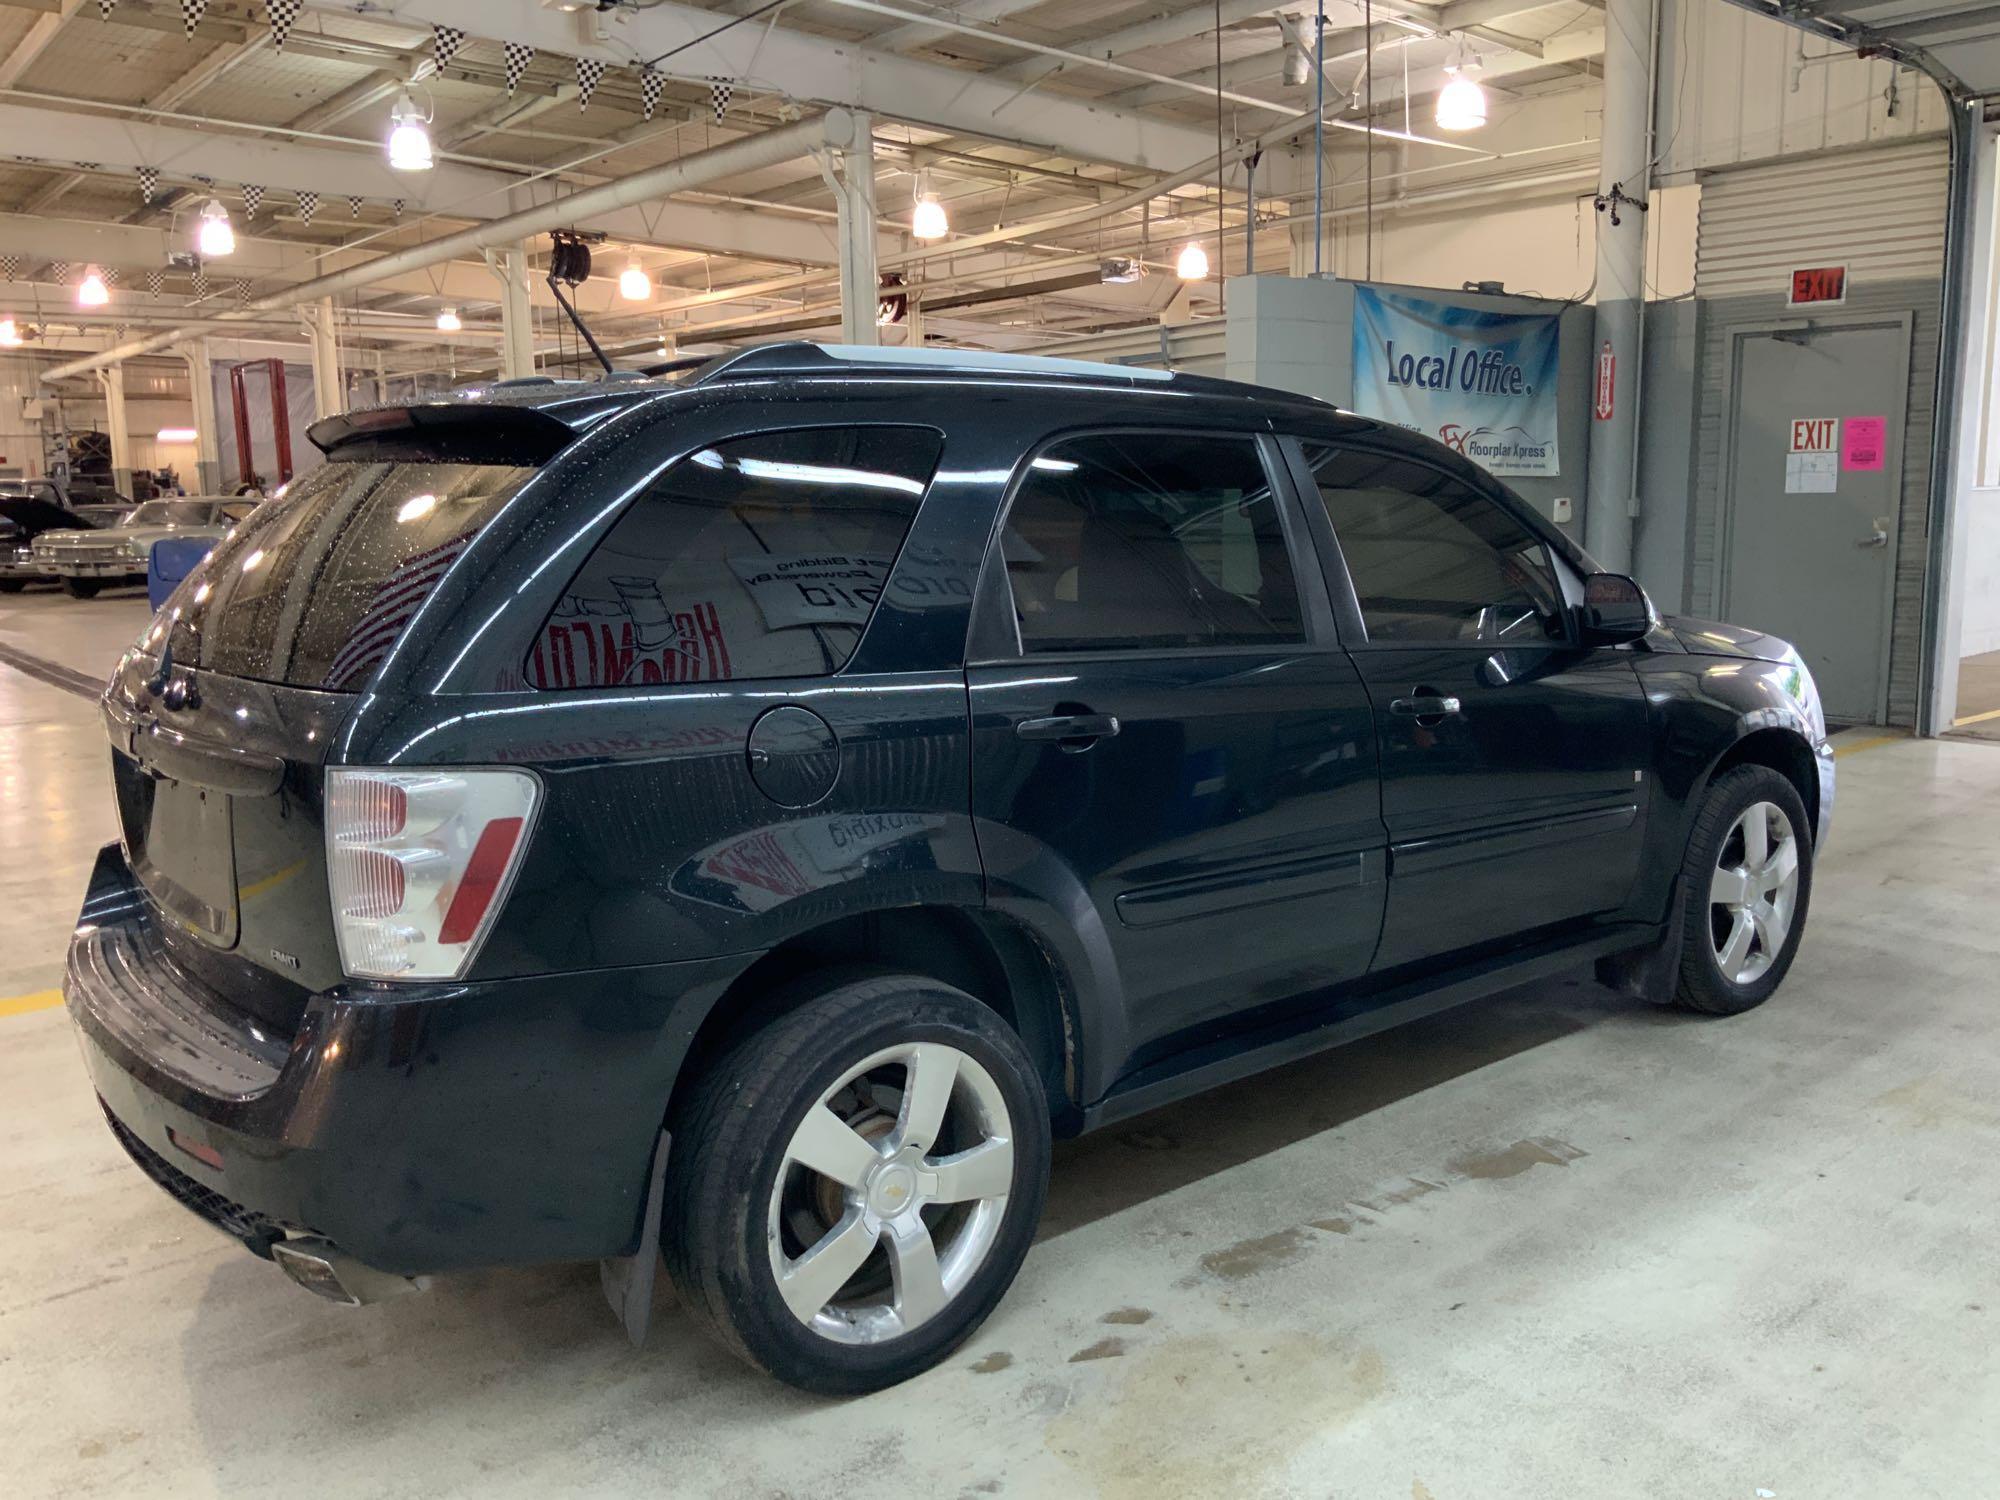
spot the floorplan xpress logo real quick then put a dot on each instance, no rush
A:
(1483, 382)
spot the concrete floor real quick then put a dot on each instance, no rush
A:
(1558, 1244)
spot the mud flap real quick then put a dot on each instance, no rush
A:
(628, 1279)
(1649, 973)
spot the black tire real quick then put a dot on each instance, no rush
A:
(81, 588)
(12, 585)
(1702, 985)
(730, 1135)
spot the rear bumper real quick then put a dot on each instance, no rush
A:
(410, 1129)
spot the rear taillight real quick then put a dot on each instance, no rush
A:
(418, 863)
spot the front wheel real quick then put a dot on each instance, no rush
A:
(1745, 886)
(854, 1186)
(81, 588)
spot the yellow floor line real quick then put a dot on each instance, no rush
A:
(20, 1005)
(1857, 746)
(1993, 713)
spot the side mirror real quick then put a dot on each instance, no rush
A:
(1615, 610)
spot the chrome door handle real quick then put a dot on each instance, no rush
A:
(1874, 539)
(1424, 706)
(1069, 727)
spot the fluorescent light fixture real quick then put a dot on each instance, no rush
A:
(927, 220)
(449, 321)
(214, 237)
(175, 434)
(634, 285)
(92, 292)
(1192, 264)
(1461, 103)
(409, 137)
(1121, 270)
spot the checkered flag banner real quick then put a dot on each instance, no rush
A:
(353, 206)
(589, 71)
(200, 281)
(110, 275)
(445, 42)
(398, 206)
(242, 291)
(517, 55)
(11, 265)
(149, 184)
(281, 14)
(59, 270)
(719, 90)
(120, 329)
(88, 166)
(253, 199)
(104, 9)
(308, 206)
(156, 282)
(651, 82)
(191, 13)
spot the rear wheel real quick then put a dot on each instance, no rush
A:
(1745, 886)
(854, 1186)
(81, 588)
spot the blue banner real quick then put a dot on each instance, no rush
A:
(1482, 383)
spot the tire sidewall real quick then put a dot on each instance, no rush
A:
(774, 1337)
(1726, 801)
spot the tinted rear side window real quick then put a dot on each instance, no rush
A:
(1130, 542)
(314, 589)
(760, 557)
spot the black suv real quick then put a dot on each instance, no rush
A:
(744, 817)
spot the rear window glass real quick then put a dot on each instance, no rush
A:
(760, 557)
(314, 589)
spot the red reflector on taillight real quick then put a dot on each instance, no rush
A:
(483, 874)
(206, 1155)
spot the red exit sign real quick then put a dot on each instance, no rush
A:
(1820, 284)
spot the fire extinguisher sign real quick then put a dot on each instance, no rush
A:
(1607, 382)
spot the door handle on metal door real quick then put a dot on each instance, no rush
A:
(1069, 727)
(1424, 706)
(1879, 537)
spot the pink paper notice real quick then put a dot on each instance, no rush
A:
(1863, 443)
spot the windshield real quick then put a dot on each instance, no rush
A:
(172, 513)
(314, 591)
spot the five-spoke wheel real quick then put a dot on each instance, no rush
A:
(1745, 882)
(1753, 892)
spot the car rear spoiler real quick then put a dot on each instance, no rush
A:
(445, 433)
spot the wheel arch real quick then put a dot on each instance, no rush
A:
(1781, 749)
(993, 958)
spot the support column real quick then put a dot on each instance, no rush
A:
(1290, 175)
(329, 391)
(1621, 263)
(207, 441)
(112, 380)
(517, 312)
(859, 278)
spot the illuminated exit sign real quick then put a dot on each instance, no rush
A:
(1823, 285)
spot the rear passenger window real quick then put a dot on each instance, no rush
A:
(759, 557)
(1135, 541)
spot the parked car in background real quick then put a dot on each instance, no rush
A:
(23, 517)
(104, 512)
(88, 560)
(746, 818)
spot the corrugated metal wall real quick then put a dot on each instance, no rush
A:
(1882, 213)
(1194, 347)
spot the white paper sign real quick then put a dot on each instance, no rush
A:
(1812, 473)
(822, 588)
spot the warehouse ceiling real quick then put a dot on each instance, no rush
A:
(1958, 39)
(123, 120)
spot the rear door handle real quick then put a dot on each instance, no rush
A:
(1069, 727)
(1424, 706)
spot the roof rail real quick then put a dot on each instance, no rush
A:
(798, 356)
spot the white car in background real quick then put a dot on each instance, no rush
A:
(86, 561)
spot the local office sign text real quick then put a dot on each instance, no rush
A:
(1483, 383)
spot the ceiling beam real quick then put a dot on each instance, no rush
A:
(41, 32)
(804, 67)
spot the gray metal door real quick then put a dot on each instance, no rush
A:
(1813, 490)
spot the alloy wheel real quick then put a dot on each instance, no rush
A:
(1753, 894)
(891, 1194)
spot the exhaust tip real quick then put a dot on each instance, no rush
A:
(326, 1272)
